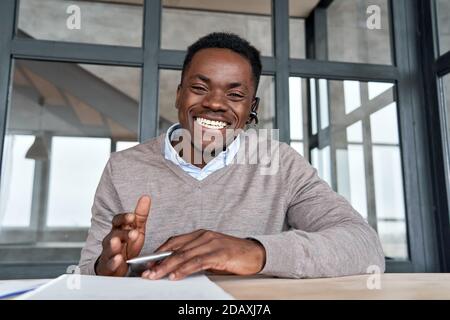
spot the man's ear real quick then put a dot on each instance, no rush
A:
(253, 116)
(178, 95)
(255, 104)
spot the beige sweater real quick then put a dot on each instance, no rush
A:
(306, 228)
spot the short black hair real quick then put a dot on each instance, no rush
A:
(229, 41)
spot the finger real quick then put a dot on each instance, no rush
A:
(199, 263)
(142, 211)
(123, 219)
(125, 235)
(114, 247)
(151, 264)
(171, 263)
(108, 264)
(114, 263)
(176, 242)
(200, 240)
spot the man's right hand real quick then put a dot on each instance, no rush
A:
(125, 241)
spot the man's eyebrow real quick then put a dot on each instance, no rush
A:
(232, 85)
(236, 85)
(201, 77)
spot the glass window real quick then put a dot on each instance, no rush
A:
(446, 117)
(76, 167)
(61, 121)
(91, 21)
(446, 85)
(357, 31)
(123, 145)
(184, 22)
(17, 182)
(346, 30)
(352, 95)
(297, 114)
(361, 155)
(298, 11)
(443, 21)
(320, 158)
(313, 105)
(169, 80)
(351, 169)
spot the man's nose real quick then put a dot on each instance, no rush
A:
(215, 102)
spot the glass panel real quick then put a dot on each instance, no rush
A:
(313, 105)
(351, 176)
(446, 84)
(320, 158)
(117, 22)
(296, 108)
(383, 124)
(377, 88)
(443, 21)
(364, 149)
(298, 146)
(323, 101)
(61, 120)
(123, 145)
(393, 238)
(389, 198)
(76, 168)
(184, 22)
(298, 12)
(351, 169)
(446, 118)
(358, 31)
(169, 80)
(352, 95)
(297, 44)
(297, 101)
(17, 182)
(354, 133)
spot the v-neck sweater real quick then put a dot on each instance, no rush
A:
(306, 229)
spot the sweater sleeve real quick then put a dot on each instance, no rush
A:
(327, 237)
(106, 205)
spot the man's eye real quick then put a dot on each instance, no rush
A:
(198, 88)
(236, 95)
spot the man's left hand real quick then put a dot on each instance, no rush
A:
(207, 250)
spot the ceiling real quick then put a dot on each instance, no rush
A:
(297, 8)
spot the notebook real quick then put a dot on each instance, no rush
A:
(83, 287)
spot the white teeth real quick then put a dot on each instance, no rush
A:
(211, 124)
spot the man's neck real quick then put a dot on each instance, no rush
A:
(193, 155)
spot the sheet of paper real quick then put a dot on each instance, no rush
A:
(9, 287)
(77, 287)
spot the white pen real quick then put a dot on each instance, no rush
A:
(151, 257)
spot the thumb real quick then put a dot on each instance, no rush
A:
(142, 211)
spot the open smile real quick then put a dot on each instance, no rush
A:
(211, 124)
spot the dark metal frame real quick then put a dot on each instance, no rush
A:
(419, 174)
(434, 68)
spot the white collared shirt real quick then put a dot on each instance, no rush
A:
(220, 161)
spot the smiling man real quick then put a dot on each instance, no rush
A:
(185, 191)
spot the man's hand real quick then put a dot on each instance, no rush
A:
(208, 250)
(125, 241)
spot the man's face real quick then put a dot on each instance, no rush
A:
(217, 86)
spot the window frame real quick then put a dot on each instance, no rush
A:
(421, 184)
(435, 67)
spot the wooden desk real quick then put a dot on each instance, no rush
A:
(393, 286)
